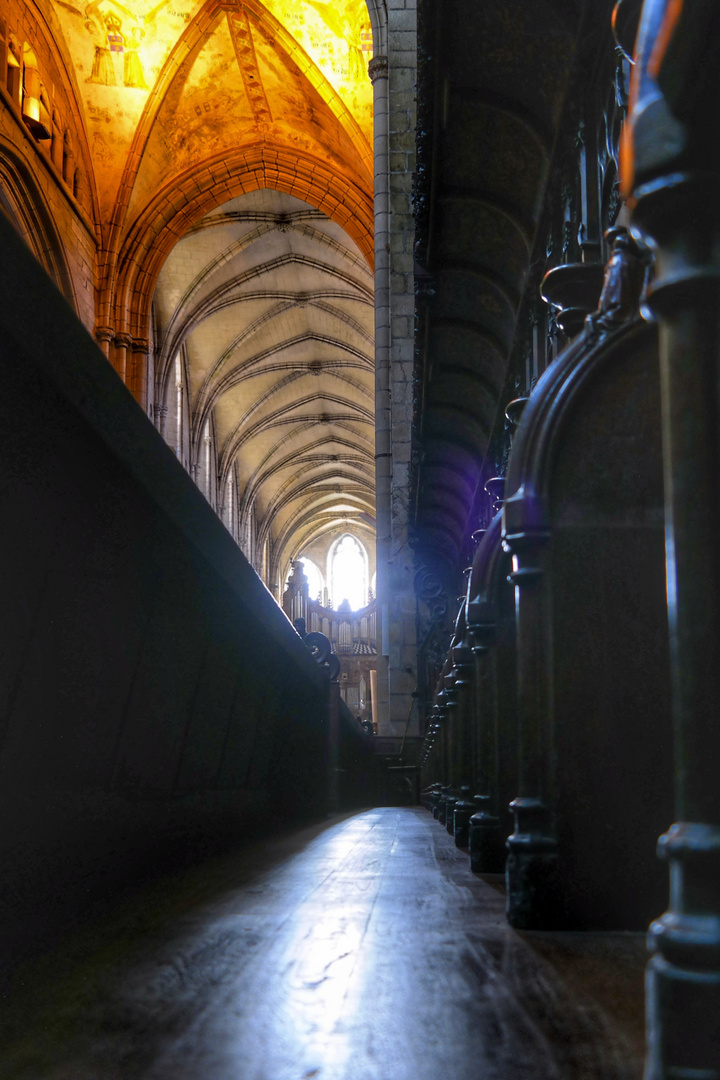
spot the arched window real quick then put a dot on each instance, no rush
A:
(265, 560)
(348, 573)
(205, 470)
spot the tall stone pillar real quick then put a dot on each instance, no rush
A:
(671, 163)
(394, 81)
(121, 356)
(378, 71)
(104, 337)
(138, 381)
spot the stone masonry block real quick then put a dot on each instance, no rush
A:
(402, 98)
(400, 201)
(400, 242)
(404, 305)
(401, 181)
(398, 227)
(402, 682)
(402, 406)
(402, 130)
(401, 583)
(408, 654)
(401, 21)
(394, 658)
(403, 352)
(401, 432)
(403, 79)
(403, 262)
(403, 42)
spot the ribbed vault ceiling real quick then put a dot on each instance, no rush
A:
(269, 305)
(224, 148)
(500, 71)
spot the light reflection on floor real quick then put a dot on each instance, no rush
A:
(362, 950)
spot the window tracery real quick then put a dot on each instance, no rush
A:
(348, 573)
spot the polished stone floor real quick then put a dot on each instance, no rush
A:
(359, 949)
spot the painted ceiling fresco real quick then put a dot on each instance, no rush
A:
(265, 303)
(338, 37)
(220, 72)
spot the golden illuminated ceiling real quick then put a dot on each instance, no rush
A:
(230, 143)
(338, 38)
(290, 71)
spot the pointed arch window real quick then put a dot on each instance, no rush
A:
(348, 573)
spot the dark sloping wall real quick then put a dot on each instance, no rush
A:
(154, 700)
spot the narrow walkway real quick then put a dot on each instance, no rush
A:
(361, 949)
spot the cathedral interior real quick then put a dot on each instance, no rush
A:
(361, 636)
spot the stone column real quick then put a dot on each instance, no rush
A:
(378, 71)
(397, 673)
(104, 336)
(138, 371)
(56, 147)
(159, 417)
(122, 346)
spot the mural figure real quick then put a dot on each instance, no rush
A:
(347, 21)
(115, 40)
(133, 72)
(105, 27)
(100, 29)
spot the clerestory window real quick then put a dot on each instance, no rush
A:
(348, 573)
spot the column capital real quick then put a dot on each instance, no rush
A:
(378, 68)
(104, 334)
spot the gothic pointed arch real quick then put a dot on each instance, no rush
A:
(25, 207)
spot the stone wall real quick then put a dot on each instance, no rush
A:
(154, 700)
(45, 181)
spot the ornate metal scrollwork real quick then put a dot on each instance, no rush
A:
(332, 667)
(320, 649)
